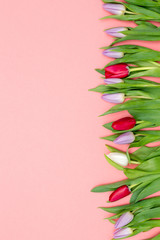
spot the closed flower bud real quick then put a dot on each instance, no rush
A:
(124, 220)
(114, 98)
(113, 80)
(113, 54)
(119, 158)
(125, 123)
(119, 193)
(117, 9)
(116, 32)
(122, 233)
(120, 70)
(125, 138)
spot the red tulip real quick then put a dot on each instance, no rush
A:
(124, 123)
(119, 193)
(120, 70)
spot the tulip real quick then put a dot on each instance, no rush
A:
(123, 232)
(113, 80)
(117, 9)
(120, 70)
(125, 138)
(114, 97)
(119, 158)
(116, 32)
(119, 193)
(113, 54)
(124, 219)
(124, 123)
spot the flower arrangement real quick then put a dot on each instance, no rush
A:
(124, 86)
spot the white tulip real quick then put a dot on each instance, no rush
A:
(119, 158)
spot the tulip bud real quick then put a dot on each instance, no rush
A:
(119, 193)
(120, 70)
(124, 123)
(119, 158)
(114, 98)
(113, 54)
(122, 233)
(117, 9)
(116, 32)
(124, 220)
(125, 138)
(113, 80)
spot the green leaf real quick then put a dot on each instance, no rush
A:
(141, 105)
(100, 88)
(101, 71)
(134, 173)
(146, 203)
(110, 187)
(142, 10)
(151, 165)
(112, 149)
(144, 153)
(144, 3)
(113, 186)
(146, 215)
(153, 187)
(130, 17)
(135, 195)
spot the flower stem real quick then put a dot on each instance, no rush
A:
(137, 122)
(143, 97)
(134, 162)
(140, 68)
(131, 12)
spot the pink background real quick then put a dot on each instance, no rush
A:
(51, 154)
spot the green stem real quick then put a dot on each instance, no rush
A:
(137, 122)
(135, 162)
(155, 63)
(131, 12)
(143, 97)
(132, 186)
(140, 68)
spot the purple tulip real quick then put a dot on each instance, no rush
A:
(122, 233)
(113, 80)
(114, 98)
(117, 9)
(124, 219)
(116, 32)
(113, 54)
(125, 138)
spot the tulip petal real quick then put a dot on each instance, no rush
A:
(116, 32)
(113, 54)
(119, 70)
(119, 158)
(114, 98)
(113, 80)
(125, 138)
(119, 193)
(125, 123)
(117, 9)
(124, 232)
(124, 219)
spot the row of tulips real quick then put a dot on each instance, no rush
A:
(124, 86)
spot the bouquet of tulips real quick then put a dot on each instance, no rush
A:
(135, 217)
(142, 181)
(124, 86)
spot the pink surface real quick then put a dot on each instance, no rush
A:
(51, 154)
